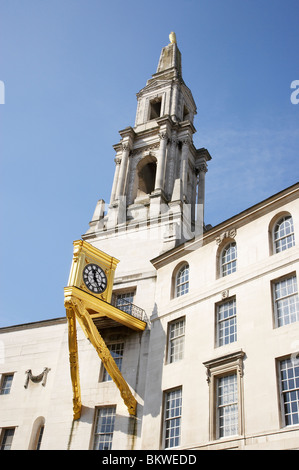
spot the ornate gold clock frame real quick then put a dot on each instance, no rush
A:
(88, 307)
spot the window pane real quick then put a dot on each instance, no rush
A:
(176, 340)
(6, 384)
(124, 302)
(104, 428)
(289, 377)
(284, 234)
(227, 323)
(286, 301)
(227, 405)
(229, 259)
(173, 411)
(7, 436)
(182, 281)
(117, 351)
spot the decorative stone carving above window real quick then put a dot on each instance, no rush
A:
(225, 364)
(227, 234)
(225, 294)
(42, 377)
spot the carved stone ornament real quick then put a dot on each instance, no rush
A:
(202, 168)
(186, 141)
(227, 234)
(163, 136)
(42, 377)
(225, 294)
(125, 146)
(221, 365)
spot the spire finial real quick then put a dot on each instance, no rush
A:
(172, 38)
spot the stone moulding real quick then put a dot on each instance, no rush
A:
(42, 377)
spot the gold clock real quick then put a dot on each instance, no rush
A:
(92, 270)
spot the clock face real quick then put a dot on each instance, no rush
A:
(94, 278)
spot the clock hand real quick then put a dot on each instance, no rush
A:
(94, 277)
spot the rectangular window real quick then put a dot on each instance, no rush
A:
(286, 301)
(176, 339)
(6, 438)
(227, 403)
(225, 379)
(6, 384)
(116, 351)
(104, 428)
(289, 383)
(173, 415)
(125, 301)
(226, 322)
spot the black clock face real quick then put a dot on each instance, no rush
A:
(94, 278)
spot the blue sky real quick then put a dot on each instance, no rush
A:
(71, 70)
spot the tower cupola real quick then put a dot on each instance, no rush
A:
(159, 174)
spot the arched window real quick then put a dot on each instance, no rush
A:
(146, 178)
(229, 259)
(182, 281)
(283, 234)
(37, 433)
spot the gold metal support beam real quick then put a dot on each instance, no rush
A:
(73, 357)
(88, 300)
(78, 308)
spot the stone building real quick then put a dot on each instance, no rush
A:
(216, 365)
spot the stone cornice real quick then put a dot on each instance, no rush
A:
(233, 222)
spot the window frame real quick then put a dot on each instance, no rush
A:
(3, 437)
(294, 359)
(219, 322)
(216, 369)
(225, 406)
(171, 340)
(182, 266)
(227, 263)
(166, 420)
(275, 300)
(104, 376)
(119, 295)
(3, 389)
(95, 434)
(279, 221)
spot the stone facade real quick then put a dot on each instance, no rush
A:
(221, 306)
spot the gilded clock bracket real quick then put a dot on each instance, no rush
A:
(76, 309)
(73, 358)
(91, 307)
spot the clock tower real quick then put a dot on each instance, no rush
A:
(159, 180)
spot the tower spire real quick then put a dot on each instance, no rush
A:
(158, 169)
(170, 58)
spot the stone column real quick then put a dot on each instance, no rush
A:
(159, 183)
(174, 102)
(184, 166)
(202, 170)
(123, 170)
(115, 180)
(171, 164)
